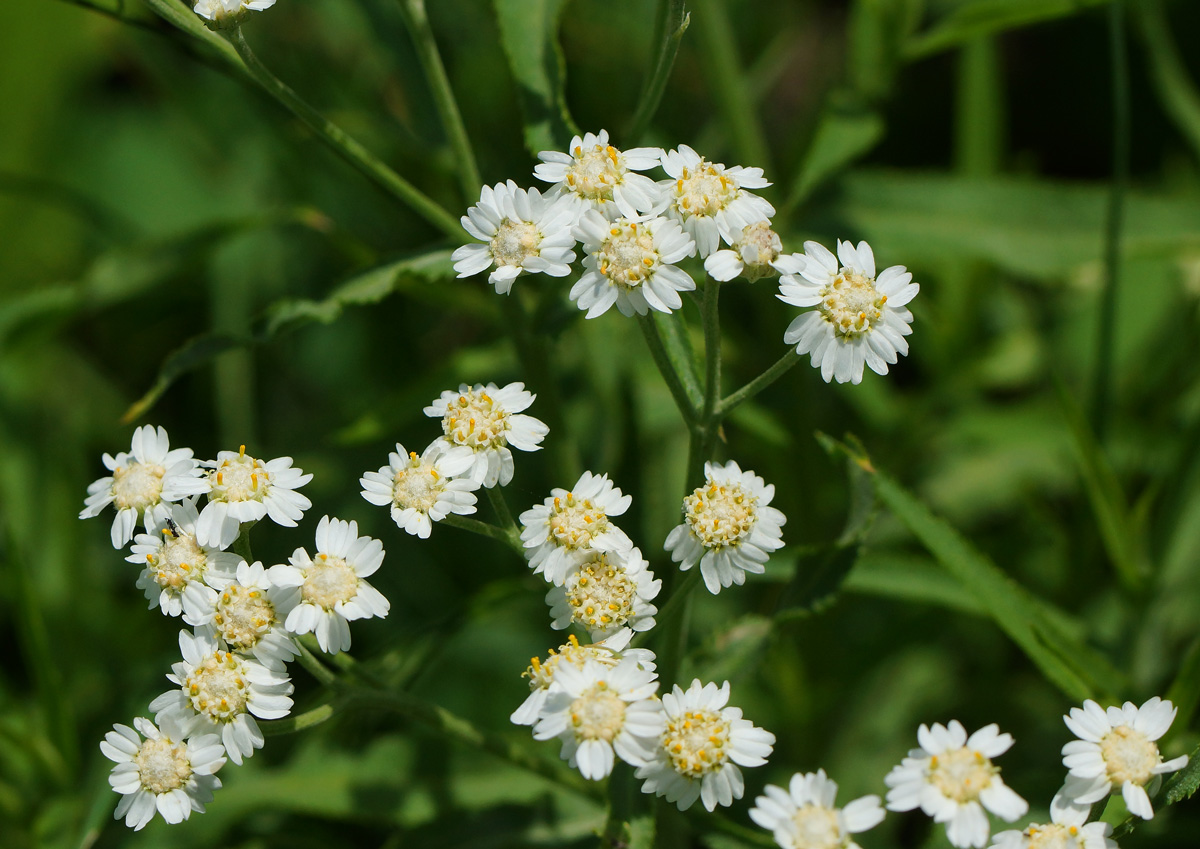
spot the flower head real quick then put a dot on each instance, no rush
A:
(860, 318)
(752, 254)
(710, 199)
(488, 419)
(248, 611)
(245, 489)
(567, 526)
(631, 263)
(605, 592)
(168, 771)
(728, 526)
(596, 175)
(423, 490)
(1117, 750)
(804, 816)
(226, 13)
(701, 748)
(1068, 829)
(522, 232)
(952, 779)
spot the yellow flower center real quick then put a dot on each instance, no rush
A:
(961, 774)
(1052, 837)
(760, 246)
(476, 420)
(541, 672)
(416, 486)
(328, 581)
(162, 765)
(240, 478)
(851, 303)
(514, 241)
(218, 686)
(595, 172)
(244, 615)
(574, 524)
(817, 828)
(696, 742)
(137, 485)
(597, 714)
(1129, 756)
(627, 256)
(180, 559)
(720, 514)
(704, 190)
(601, 594)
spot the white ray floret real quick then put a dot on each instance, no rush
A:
(488, 419)
(144, 481)
(1117, 751)
(860, 319)
(244, 490)
(567, 526)
(710, 199)
(423, 490)
(951, 778)
(631, 263)
(600, 710)
(333, 586)
(522, 232)
(168, 771)
(221, 692)
(595, 175)
(752, 254)
(228, 12)
(605, 592)
(729, 527)
(804, 816)
(1068, 829)
(177, 569)
(702, 747)
(248, 611)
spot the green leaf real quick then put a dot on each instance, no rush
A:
(733, 651)
(981, 17)
(1167, 71)
(641, 832)
(1185, 783)
(846, 130)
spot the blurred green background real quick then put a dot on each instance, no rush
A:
(147, 199)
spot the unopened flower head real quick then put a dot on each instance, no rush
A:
(605, 592)
(860, 319)
(245, 489)
(752, 254)
(522, 232)
(423, 490)
(596, 175)
(597, 710)
(227, 13)
(567, 526)
(1117, 750)
(728, 526)
(710, 199)
(168, 771)
(178, 569)
(804, 816)
(1068, 829)
(333, 586)
(143, 482)
(702, 747)
(631, 263)
(221, 692)
(951, 778)
(488, 419)
(248, 612)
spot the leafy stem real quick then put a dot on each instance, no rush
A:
(508, 536)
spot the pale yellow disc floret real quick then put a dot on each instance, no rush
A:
(598, 714)
(628, 256)
(137, 485)
(244, 615)
(601, 594)
(595, 172)
(329, 580)
(475, 419)
(180, 559)
(704, 190)
(961, 774)
(720, 514)
(1129, 756)
(541, 672)
(851, 303)
(817, 828)
(514, 242)
(218, 686)
(1052, 836)
(574, 523)
(763, 240)
(162, 765)
(240, 478)
(416, 485)
(697, 742)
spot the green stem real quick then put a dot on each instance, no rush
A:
(712, 350)
(508, 537)
(343, 144)
(315, 667)
(667, 368)
(772, 374)
(496, 497)
(443, 95)
(241, 545)
(1171, 81)
(674, 606)
(298, 722)
(672, 23)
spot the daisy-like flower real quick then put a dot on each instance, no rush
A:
(423, 490)
(752, 254)
(541, 673)
(178, 569)
(1117, 750)
(605, 592)
(248, 611)
(333, 589)
(168, 771)
(142, 483)
(710, 199)
(596, 175)
(1068, 829)
(488, 419)
(245, 489)
(860, 318)
(804, 816)
(630, 263)
(599, 709)
(568, 525)
(522, 232)
(728, 527)
(952, 779)
(226, 13)
(221, 692)
(698, 755)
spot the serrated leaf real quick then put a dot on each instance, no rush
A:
(529, 36)
(981, 17)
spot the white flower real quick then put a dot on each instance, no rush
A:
(229, 11)
(541, 673)
(710, 199)
(860, 319)
(178, 568)
(599, 709)
(487, 420)
(244, 490)
(143, 481)
(752, 255)
(702, 747)
(1068, 829)
(168, 772)
(219, 690)
(248, 611)
(1117, 750)
(605, 592)
(952, 779)
(423, 490)
(596, 175)
(804, 817)
(333, 591)
(631, 263)
(522, 232)
(567, 525)
(727, 527)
